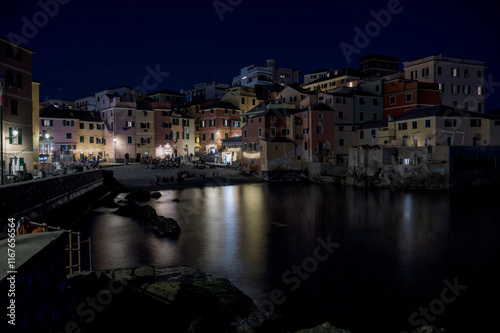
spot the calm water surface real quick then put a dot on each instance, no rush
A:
(396, 249)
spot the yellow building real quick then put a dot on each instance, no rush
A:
(443, 125)
(91, 142)
(244, 98)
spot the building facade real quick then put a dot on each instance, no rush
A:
(461, 81)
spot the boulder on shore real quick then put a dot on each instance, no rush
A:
(141, 195)
(161, 225)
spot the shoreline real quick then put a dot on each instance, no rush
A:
(137, 177)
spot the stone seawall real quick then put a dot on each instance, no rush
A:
(38, 197)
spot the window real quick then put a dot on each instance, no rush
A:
(375, 101)
(46, 122)
(479, 90)
(253, 101)
(440, 70)
(341, 128)
(466, 106)
(361, 101)
(175, 121)
(91, 126)
(450, 122)
(283, 132)
(341, 142)
(82, 139)
(341, 115)
(273, 132)
(260, 132)
(227, 122)
(68, 135)
(12, 137)
(236, 124)
(466, 89)
(408, 97)
(144, 113)
(204, 137)
(475, 123)
(427, 123)
(320, 116)
(375, 116)
(91, 139)
(455, 72)
(305, 145)
(466, 73)
(129, 113)
(455, 104)
(203, 124)
(226, 136)
(305, 131)
(361, 116)
(361, 135)
(413, 74)
(425, 72)
(243, 100)
(211, 123)
(212, 136)
(402, 126)
(129, 139)
(479, 107)
(130, 124)
(441, 87)
(479, 74)
(373, 132)
(392, 100)
(455, 88)
(414, 125)
(305, 115)
(82, 126)
(319, 130)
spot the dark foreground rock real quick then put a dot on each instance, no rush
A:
(172, 300)
(324, 328)
(141, 195)
(162, 226)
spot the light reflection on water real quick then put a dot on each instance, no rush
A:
(396, 248)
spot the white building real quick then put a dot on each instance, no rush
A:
(461, 81)
(85, 103)
(205, 91)
(58, 103)
(251, 76)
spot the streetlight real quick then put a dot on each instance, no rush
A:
(114, 140)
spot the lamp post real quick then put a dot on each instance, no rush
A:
(114, 140)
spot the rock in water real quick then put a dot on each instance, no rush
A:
(161, 225)
(155, 195)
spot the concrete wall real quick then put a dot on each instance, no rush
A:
(35, 198)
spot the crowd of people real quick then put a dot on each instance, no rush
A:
(162, 163)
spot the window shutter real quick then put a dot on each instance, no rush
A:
(20, 137)
(10, 135)
(51, 123)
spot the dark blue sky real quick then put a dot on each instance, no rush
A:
(91, 45)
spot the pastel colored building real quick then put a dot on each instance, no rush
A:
(118, 114)
(338, 78)
(144, 132)
(221, 120)
(401, 95)
(444, 125)
(91, 143)
(59, 134)
(461, 81)
(252, 75)
(16, 102)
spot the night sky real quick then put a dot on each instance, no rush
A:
(88, 46)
